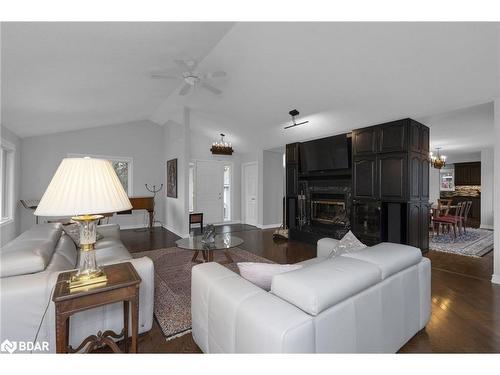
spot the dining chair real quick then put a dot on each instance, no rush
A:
(452, 221)
(465, 215)
(444, 205)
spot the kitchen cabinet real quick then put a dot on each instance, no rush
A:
(467, 173)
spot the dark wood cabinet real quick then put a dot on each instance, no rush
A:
(399, 180)
(393, 136)
(467, 173)
(292, 153)
(392, 172)
(291, 180)
(364, 178)
(364, 141)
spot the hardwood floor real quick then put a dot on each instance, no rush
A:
(465, 304)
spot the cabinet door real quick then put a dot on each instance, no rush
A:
(424, 226)
(393, 136)
(415, 137)
(424, 143)
(291, 180)
(364, 141)
(292, 153)
(364, 178)
(392, 177)
(424, 178)
(475, 174)
(415, 175)
(414, 223)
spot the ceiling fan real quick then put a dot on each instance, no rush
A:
(191, 77)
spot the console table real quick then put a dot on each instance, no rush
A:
(122, 286)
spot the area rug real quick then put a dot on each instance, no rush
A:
(172, 307)
(474, 243)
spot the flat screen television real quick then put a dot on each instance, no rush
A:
(325, 154)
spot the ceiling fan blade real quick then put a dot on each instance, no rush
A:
(211, 88)
(187, 65)
(163, 76)
(185, 89)
(217, 74)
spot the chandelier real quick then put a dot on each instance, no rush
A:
(437, 161)
(221, 147)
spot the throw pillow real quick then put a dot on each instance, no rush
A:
(261, 274)
(73, 231)
(348, 244)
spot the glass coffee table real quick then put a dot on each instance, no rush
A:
(223, 242)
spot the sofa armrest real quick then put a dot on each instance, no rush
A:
(325, 246)
(231, 315)
(109, 230)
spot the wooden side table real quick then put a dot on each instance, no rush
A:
(122, 286)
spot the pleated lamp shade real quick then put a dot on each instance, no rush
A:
(83, 186)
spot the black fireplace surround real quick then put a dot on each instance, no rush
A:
(382, 196)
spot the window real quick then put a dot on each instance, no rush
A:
(7, 185)
(227, 193)
(191, 187)
(122, 166)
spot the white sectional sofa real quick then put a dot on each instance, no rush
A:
(370, 301)
(29, 266)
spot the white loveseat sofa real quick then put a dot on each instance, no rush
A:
(29, 266)
(370, 301)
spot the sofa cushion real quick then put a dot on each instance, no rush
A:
(389, 257)
(31, 251)
(317, 287)
(110, 250)
(261, 274)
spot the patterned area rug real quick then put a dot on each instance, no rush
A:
(474, 243)
(173, 284)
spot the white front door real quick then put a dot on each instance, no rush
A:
(250, 181)
(209, 191)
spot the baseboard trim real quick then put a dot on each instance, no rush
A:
(268, 226)
(495, 279)
(486, 226)
(175, 232)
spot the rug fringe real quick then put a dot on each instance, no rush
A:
(178, 335)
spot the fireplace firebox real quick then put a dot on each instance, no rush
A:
(328, 211)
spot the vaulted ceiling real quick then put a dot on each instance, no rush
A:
(60, 76)
(338, 75)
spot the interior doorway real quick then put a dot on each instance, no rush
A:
(250, 193)
(211, 184)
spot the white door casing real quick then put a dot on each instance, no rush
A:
(250, 195)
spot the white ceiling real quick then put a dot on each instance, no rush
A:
(340, 76)
(462, 132)
(65, 76)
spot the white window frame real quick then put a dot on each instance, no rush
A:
(10, 149)
(129, 160)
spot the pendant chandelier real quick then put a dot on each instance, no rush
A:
(438, 161)
(221, 147)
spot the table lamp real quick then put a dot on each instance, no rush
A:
(83, 188)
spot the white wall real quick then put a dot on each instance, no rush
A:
(273, 190)
(10, 230)
(142, 140)
(487, 200)
(496, 207)
(177, 146)
(434, 192)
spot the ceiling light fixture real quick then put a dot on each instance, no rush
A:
(221, 147)
(294, 113)
(437, 161)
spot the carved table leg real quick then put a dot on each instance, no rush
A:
(62, 333)
(135, 321)
(125, 325)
